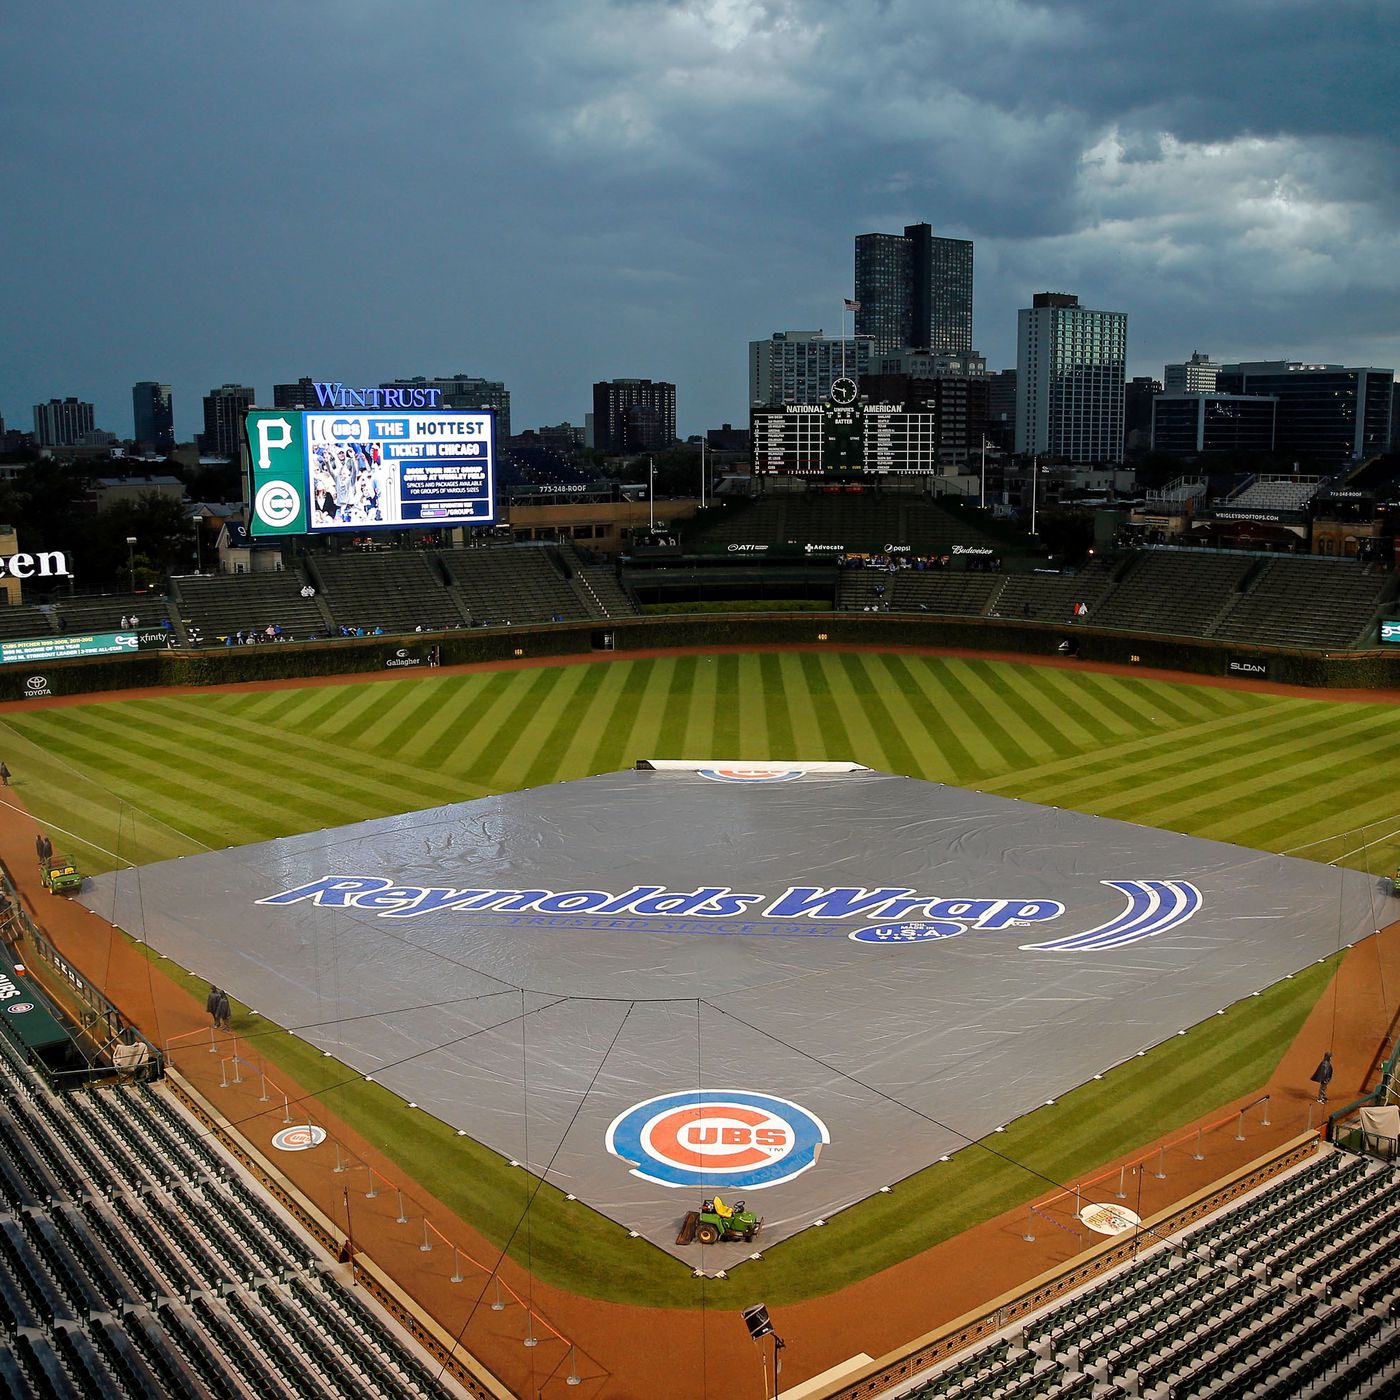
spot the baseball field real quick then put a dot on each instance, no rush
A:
(132, 780)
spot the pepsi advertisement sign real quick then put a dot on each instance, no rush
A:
(357, 470)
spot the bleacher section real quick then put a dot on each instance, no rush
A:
(524, 583)
(950, 593)
(1294, 1292)
(135, 1261)
(397, 590)
(1275, 493)
(1174, 591)
(223, 604)
(1052, 597)
(24, 621)
(1314, 603)
(105, 613)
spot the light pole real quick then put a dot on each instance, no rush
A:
(1035, 472)
(131, 559)
(651, 492)
(702, 471)
(756, 1319)
(198, 547)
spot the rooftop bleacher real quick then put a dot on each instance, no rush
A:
(1293, 1292)
(1275, 493)
(135, 1260)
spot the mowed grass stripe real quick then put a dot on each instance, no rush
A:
(670, 740)
(346, 764)
(773, 698)
(153, 769)
(952, 721)
(1032, 704)
(698, 738)
(616, 745)
(754, 743)
(553, 732)
(987, 711)
(1193, 780)
(890, 715)
(535, 725)
(1088, 726)
(727, 726)
(825, 728)
(401, 724)
(656, 677)
(464, 707)
(846, 686)
(940, 754)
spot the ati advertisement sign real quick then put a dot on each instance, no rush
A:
(887, 915)
(32, 650)
(316, 473)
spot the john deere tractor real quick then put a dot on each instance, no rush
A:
(715, 1222)
(59, 875)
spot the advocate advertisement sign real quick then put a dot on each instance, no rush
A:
(316, 473)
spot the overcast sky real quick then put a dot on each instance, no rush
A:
(551, 192)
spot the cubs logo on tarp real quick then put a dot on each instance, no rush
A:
(714, 1138)
(299, 1138)
(20, 1006)
(749, 773)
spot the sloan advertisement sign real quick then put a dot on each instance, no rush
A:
(1256, 667)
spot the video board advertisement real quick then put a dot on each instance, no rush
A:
(317, 473)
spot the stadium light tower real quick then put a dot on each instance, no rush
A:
(131, 559)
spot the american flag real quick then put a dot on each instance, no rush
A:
(852, 305)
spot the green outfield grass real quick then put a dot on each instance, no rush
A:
(139, 780)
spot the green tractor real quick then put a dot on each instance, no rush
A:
(716, 1222)
(59, 875)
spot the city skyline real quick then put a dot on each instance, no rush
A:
(599, 191)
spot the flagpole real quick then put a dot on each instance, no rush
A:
(843, 337)
(702, 471)
(1035, 473)
(982, 499)
(651, 495)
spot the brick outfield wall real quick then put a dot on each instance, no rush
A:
(282, 661)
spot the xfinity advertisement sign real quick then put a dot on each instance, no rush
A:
(1390, 632)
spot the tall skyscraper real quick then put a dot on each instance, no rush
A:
(914, 290)
(1070, 363)
(798, 366)
(153, 415)
(62, 422)
(633, 415)
(1194, 376)
(298, 395)
(223, 419)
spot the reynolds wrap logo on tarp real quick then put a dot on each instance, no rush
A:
(883, 915)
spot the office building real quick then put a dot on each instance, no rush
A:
(153, 415)
(633, 415)
(1138, 394)
(914, 290)
(224, 410)
(1069, 380)
(935, 364)
(1192, 424)
(1327, 414)
(302, 394)
(62, 422)
(1197, 375)
(1001, 409)
(798, 366)
(465, 391)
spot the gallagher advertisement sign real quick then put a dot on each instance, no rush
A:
(317, 473)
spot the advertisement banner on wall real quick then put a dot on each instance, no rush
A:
(1253, 667)
(33, 650)
(1390, 633)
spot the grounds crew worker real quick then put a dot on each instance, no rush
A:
(1322, 1077)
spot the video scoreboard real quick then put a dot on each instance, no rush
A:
(843, 438)
(317, 472)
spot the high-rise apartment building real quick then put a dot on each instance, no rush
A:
(153, 415)
(633, 415)
(914, 290)
(302, 394)
(1328, 413)
(62, 422)
(467, 392)
(224, 409)
(1194, 376)
(1070, 363)
(798, 366)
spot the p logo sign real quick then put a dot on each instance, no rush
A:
(713, 1138)
(277, 451)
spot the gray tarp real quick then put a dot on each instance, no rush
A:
(534, 1030)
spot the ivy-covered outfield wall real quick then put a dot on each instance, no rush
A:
(285, 661)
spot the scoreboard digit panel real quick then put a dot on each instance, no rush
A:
(834, 439)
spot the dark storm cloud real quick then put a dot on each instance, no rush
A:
(554, 192)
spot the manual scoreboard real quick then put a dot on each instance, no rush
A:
(843, 437)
